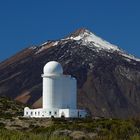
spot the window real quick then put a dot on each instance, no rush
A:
(26, 113)
(35, 113)
(50, 112)
(38, 113)
(31, 113)
(55, 113)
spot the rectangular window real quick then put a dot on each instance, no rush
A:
(55, 113)
(31, 113)
(50, 112)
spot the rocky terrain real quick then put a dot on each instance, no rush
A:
(15, 127)
(108, 78)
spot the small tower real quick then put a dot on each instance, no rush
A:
(59, 91)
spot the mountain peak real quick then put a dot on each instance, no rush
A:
(80, 32)
(89, 39)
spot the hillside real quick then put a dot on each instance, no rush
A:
(14, 127)
(108, 78)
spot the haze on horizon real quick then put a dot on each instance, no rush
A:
(27, 23)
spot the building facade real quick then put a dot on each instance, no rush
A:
(59, 95)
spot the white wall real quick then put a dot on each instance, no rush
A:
(59, 92)
(40, 113)
(57, 113)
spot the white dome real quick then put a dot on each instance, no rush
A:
(53, 67)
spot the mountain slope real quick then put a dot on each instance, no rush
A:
(108, 78)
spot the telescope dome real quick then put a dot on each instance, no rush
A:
(53, 67)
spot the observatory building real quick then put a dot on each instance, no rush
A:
(59, 95)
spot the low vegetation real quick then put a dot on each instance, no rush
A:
(15, 127)
(17, 135)
(61, 129)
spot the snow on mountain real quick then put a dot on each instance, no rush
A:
(129, 57)
(89, 38)
(86, 38)
(46, 45)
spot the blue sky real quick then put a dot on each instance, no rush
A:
(32, 22)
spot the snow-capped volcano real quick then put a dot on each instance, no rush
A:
(88, 38)
(108, 78)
